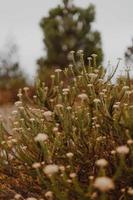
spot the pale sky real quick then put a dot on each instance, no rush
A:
(20, 19)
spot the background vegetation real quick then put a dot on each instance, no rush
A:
(67, 28)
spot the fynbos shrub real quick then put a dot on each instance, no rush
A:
(73, 139)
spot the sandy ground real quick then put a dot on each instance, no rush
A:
(5, 112)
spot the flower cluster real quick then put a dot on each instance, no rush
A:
(74, 139)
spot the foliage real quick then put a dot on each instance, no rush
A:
(67, 28)
(129, 54)
(73, 140)
(11, 76)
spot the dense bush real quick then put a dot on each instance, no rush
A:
(11, 76)
(73, 140)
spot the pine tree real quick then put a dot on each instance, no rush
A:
(129, 54)
(67, 28)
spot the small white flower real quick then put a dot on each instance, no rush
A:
(51, 169)
(104, 90)
(49, 195)
(31, 198)
(41, 137)
(17, 196)
(83, 96)
(91, 177)
(92, 75)
(58, 70)
(113, 152)
(115, 106)
(130, 141)
(72, 52)
(97, 125)
(69, 108)
(69, 154)
(14, 112)
(21, 108)
(118, 103)
(13, 140)
(125, 87)
(96, 71)
(125, 104)
(24, 147)
(94, 55)
(42, 120)
(101, 93)
(18, 103)
(51, 100)
(59, 105)
(123, 190)
(94, 195)
(22, 119)
(66, 90)
(46, 89)
(36, 165)
(16, 123)
(72, 175)
(9, 137)
(128, 93)
(68, 166)
(65, 93)
(34, 97)
(102, 162)
(104, 183)
(55, 129)
(80, 51)
(99, 138)
(32, 119)
(69, 181)
(19, 95)
(52, 76)
(48, 115)
(71, 67)
(96, 100)
(122, 149)
(89, 58)
(89, 85)
(100, 80)
(130, 191)
(26, 89)
(59, 133)
(61, 168)
(3, 142)
(94, 118)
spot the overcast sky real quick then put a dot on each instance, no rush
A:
(19, 19)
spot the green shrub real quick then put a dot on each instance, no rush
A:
(74, 138)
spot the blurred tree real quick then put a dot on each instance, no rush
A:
(67, 28)
(129, 54)
(11, 77)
